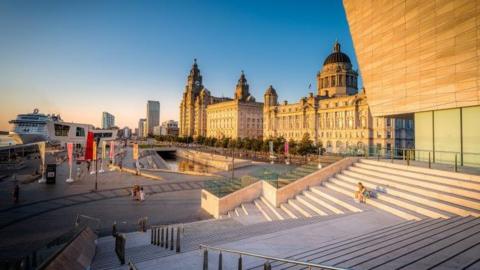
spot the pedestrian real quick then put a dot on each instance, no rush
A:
(134, 192)
(88, 165)
(142, 194)
(16, 193)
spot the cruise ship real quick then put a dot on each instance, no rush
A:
(37, 127)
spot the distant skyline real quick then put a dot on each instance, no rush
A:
(80, 58)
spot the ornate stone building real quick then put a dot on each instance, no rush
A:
(202, 114)
(193, 108)
(338, 117)
(238, 118)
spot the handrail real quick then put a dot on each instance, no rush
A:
(131, 266)
(271, 258)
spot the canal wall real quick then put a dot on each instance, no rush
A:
(213, 160)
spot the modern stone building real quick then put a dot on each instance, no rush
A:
(338, 117)
(193, 108)
(422, 59)
(237, 118)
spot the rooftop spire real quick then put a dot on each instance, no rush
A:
(336, 46)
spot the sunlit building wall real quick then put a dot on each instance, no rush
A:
(423, 58)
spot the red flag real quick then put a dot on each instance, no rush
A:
(70, 153)
(89, 146)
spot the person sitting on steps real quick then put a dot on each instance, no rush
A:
(362, 193)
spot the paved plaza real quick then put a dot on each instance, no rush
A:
(48, 210)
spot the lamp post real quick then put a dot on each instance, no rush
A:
(233, 162)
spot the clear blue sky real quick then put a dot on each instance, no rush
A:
(80, 58)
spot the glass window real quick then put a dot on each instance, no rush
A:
(61, 130)
(80, 132)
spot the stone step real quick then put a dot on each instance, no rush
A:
(451, 197)
(264, 210)
(399, 252)
(419, 198)
(338, 245)
(279, 214)
(300, 208)
(336, 198)
(389, 176)
(290, 211)
(321, 202)
(400, 212)
(426, 171)
(407, 204)
(442, 251)
(359, 253)
(310, 205)
(399, 173)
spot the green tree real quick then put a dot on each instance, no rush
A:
(292, 147)
(306, 145)
(225, 142)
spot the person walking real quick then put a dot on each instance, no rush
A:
(142, 194)
(16, 193)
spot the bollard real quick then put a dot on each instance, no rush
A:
(456, 168)
(178, 240)
(408, 158)
(205, 259)
(114, 228)
(220, 261)
(240, 263)
(403, 154)
(429, 160)
(152, 236)
(267, 266)
(166, 237)
(161, 237)
(171, 238)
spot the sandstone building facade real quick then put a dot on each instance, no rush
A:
(239, 118)
(337, 117)
(422, 58)
(202, 114)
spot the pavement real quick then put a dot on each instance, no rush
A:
(45, 211)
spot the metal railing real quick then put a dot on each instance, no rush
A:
(167, 236)
(268, 259)
(430, 157)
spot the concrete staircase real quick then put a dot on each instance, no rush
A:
(212, 232)
(452, 243)
(317, 201)
(412, 193)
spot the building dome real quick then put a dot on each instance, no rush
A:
(271, 91)
(337, 56)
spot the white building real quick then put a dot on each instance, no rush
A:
(108, 120)
(127, 132)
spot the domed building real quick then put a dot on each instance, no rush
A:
(338, 117)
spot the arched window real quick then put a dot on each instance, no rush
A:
(333, 80)
(340, 80)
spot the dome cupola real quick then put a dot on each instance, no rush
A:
(337, 56)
